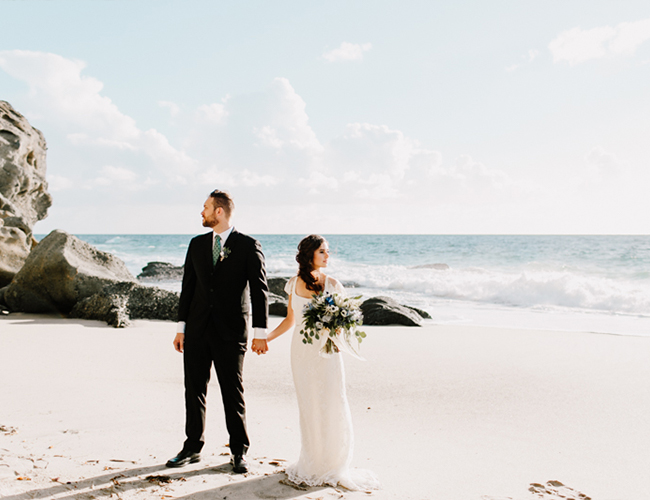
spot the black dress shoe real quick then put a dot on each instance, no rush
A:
(239, 464)
(184, 458)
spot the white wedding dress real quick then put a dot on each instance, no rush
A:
(325, 421)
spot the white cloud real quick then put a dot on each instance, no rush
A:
(174, 108)
(74, 102)
(347, 52)
(375, 154)
(58, 183)
(268, 136)
(259, 146)
(376, 163)
(288, 122)
(251, 179)
(79, 139)
(214, 113)
(476, 174)
(110, 175)
(57, 86)
(118, 174)
(577, 45)
(317, 182)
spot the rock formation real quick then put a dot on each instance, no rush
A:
(161, 271)
(278, 306)
(61, 271)
(24, 199)
(276, 286)
(118, 303)
(387, 311)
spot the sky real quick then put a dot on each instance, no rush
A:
(354, 116)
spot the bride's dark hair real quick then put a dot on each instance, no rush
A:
(306, 248)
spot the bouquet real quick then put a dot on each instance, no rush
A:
(332, 321)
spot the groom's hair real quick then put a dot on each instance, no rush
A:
(222, 199)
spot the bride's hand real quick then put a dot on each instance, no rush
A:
(260, 346)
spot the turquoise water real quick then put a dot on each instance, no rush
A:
(588, 283)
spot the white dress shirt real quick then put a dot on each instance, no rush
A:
(259, 333)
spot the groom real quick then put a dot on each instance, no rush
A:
(224, 274)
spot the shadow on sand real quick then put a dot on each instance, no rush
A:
(145, 478)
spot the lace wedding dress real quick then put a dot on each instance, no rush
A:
(325, 421)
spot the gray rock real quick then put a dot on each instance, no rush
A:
(149, 302)
(109, 308)
(277, 305)
(24, 199)
(161, 271)
(386, 311)
(421, 312)
(276, 286)
(118, 303)
(14, 250)
(61, 271)
(3, 306)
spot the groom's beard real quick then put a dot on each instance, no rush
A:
(210, 222)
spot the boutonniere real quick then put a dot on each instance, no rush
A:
(225, 252)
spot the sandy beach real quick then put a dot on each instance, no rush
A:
(440, 412)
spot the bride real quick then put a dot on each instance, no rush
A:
(325, 421)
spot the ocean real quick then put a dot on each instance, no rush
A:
(597, 284)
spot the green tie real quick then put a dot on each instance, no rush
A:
(216, 249)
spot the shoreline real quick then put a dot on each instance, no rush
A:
(441, 411)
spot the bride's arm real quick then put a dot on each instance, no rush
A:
(285, 325)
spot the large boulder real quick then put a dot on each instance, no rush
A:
(61, 271)
(24, 199)
(118, 303)
(278, 306)
(278, 298)
(161, 271)
(387, 311)
(3, 305)
(276, 286)
(421, 312)
(14, 250)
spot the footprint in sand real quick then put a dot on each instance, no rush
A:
(555, 490)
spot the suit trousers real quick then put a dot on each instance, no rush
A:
(200, 353)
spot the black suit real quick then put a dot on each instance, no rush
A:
(215, 303)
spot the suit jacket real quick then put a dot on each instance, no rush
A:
(216, 300)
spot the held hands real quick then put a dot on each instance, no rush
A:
(179, 342)
(260, 346)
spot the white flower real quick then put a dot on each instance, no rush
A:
(319, 325)
(326, 318)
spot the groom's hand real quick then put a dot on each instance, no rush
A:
(260, 346)
(179, 341)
